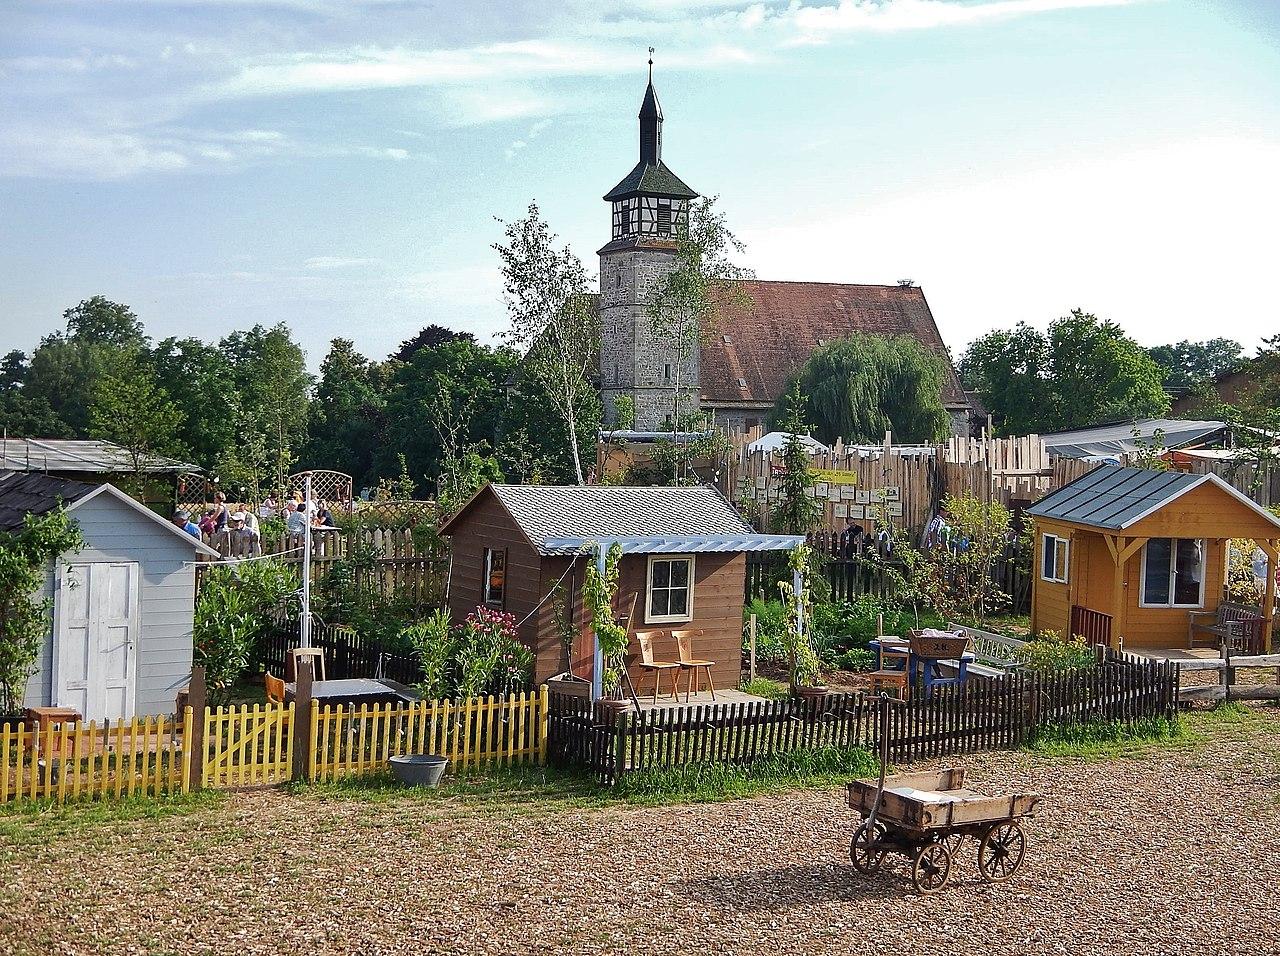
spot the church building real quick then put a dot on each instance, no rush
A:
(740, 368)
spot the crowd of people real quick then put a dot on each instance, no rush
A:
(242, 523)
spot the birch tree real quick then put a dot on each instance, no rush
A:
(553, 320)
(705, 280)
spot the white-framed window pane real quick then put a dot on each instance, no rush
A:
(660, 602)
(1050, 554)
(1155, 582)
(1188, 571)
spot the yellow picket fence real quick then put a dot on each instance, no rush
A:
(251, 746)
(484, 730)
(123, 758)
(248, 746)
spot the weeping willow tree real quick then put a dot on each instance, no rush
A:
(860, 387)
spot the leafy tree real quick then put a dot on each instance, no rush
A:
(347, 413)
(25, 619)
(796, 511)
(99, 321)
(200, 382)
(132, 410)
(553, 320)
(237, 606)
(703, 281)
(458, 378)
(430, 337)
(269, 376)
(1188, 364)
(1085, 370)
(859, 387)
(532, 439)
(22, 416)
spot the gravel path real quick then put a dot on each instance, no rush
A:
(1174, 851)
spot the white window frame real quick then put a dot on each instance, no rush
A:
(486, 597)
(1173, 570)
(651, 618)
(1060, 574)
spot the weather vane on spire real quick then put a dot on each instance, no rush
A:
(650, 64)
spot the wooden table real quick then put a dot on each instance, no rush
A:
(354, 691)
(891, 642)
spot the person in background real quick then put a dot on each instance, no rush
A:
(208, 523)
(295, 521)
(324, 517)
(220, 511)
(269, 507)
(183, 521)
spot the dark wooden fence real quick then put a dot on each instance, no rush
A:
(346, 653)
(997, 714)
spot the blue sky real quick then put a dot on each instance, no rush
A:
(337, 164)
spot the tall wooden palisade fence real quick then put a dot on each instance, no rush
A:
(978, 715)
(250, 746)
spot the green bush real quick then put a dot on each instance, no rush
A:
(771, 630)
(482, 655)
(237, 605)
(1049, 652)
(852, 659)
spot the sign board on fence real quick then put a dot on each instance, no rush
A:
(863, 497)
(848, 493)
(894, 509)
(836, 476)
(857, 511)
(840, 510)
(893, 493)
(833, 492)
(820, 489)
(760, 481)
(877, 494)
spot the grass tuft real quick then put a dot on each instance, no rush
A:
(1108, 738)
(706, 783)
(30, 822)
(768, 688)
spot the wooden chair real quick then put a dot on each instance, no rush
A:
(684, 642)
(894, 671)
(275, 689)
(645, 640)
(315, 654)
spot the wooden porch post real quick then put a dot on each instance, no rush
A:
(1272, 549)
(1122, 549)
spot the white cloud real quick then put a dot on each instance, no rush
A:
(81, 154)
(340, 262)
(1157, 240)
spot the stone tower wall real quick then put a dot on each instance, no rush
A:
(633, 361)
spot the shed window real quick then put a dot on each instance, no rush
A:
(495, 577)
(1054, 558)
(669, 596)
(1173, 572)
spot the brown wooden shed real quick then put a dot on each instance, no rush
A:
(683, 566)
(1125, 556)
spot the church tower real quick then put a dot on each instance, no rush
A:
(649, 206)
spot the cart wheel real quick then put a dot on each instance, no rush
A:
(954, 842)
(931, 867)
(1001, 851)
(864, 851)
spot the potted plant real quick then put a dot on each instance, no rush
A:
(598, 590)
(806, 673)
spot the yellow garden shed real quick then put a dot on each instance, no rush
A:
(1130, 557)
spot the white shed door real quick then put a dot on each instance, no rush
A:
(95, 665)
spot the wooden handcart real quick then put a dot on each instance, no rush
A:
(928, 816)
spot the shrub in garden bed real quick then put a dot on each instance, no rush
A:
(1049, 653)
(482, 655)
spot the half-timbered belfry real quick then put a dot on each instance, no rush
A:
(649, 206)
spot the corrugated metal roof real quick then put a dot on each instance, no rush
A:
(83, 455)
(681, 544)
(612, 511)
(1112, 497)
(31, 493)
(1124, 437)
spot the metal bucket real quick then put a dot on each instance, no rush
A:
(419, 770)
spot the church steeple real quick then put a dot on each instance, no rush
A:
(650, 122)
(651, 200)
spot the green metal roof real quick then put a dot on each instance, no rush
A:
(651, 180)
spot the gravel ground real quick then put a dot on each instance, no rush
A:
(1171, 851)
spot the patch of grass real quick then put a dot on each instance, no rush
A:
(767, 687)
(543, 789)
(700, 784)
(1108, 738)
(27, 823)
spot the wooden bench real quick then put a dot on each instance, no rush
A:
(1235, 627)
(994, 654)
